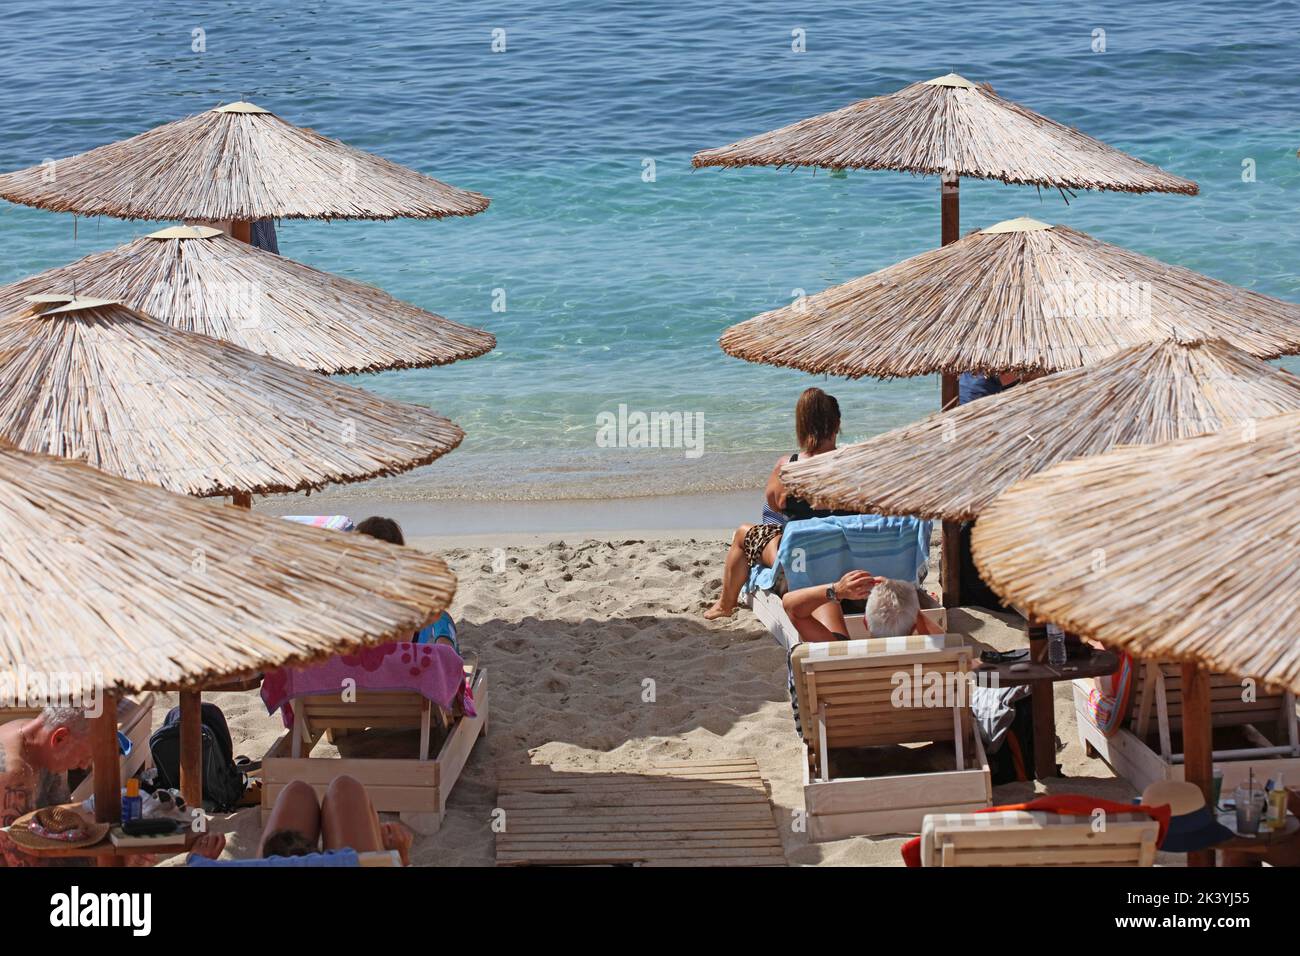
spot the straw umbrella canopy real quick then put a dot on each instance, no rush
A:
(100, 576)
(1018, 296)
(954, 464)
(94, 380)
(237, 162)
(201, 280)
(114, 586)
(950, 125)
(1177, 551)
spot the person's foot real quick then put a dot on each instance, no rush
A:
(209, 845)
(397, 837)
(718, 611)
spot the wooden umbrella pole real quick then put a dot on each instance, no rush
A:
(242, 499)
(950, 560)
(1042, 706)
(1198, 745)
(106, 755)
(192, 747)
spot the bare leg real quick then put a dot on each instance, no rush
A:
(296, 809)
(734, 574)
(348, 819)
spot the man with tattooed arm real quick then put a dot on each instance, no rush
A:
(35, 757)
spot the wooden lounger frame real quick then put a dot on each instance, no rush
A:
(769, 610)
(134, 718)
(846, 703)
(417, 787)
(1121, 843)
(1142, 750)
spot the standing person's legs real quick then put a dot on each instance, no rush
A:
(294, 823)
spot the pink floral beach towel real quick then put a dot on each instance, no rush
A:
(435, 671)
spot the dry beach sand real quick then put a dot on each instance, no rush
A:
(570, 630)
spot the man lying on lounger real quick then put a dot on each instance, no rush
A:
(892, 607)
(300, 824)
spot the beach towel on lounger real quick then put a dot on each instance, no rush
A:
(433, 670)
(819, 551)
(328, 522)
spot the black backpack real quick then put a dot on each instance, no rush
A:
(223, 784)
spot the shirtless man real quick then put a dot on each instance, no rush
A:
(35, 756)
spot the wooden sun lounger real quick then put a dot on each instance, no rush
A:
(846, 701)
(134, 718)
(1018, 838)
(416, 787)
(1142, 751)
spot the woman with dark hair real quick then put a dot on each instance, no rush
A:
(816, 427)
(443, 628)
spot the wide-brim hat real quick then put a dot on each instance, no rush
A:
(1192, 825)
(21, 833)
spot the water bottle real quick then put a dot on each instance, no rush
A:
(1055, 646)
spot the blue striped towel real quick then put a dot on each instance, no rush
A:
(820, 550)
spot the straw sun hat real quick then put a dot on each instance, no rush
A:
(55, 817)
(1192, 825)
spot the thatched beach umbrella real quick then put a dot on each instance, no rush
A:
(94, 380)
(954, 463)
(1018, 296)
(1179, 551)
(136, 588)
(200, 280)
(235, 163)
(950, 127)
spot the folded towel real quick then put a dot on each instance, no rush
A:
(819, 551)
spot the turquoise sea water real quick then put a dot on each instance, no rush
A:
(616, 288)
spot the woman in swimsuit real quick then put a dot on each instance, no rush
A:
(816, 426)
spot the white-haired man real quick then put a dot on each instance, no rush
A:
(35, 757)
(892, 607)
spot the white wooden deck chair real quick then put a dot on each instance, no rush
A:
(881, 692)
(134, 719)
(415, 786)
(1143, 750)
(1268, 720)
(1024, 838)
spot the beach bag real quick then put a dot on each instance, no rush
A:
(223, 784)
